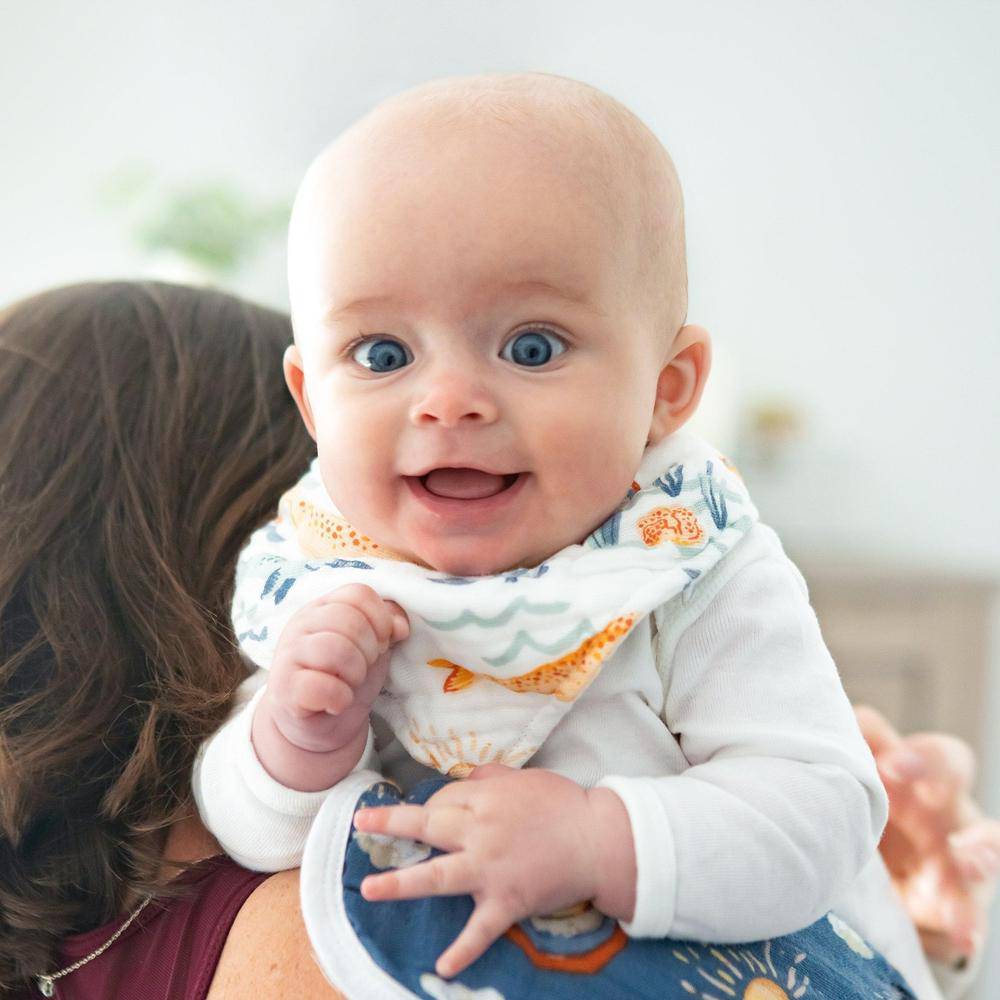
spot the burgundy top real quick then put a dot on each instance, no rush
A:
(171, 950)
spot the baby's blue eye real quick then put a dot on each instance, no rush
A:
(383, 355)
(533, 348)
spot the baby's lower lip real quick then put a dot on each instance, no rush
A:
(468, 512)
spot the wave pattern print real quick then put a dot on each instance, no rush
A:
(524, 641)
(468, 617)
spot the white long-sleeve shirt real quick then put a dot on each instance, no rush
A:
(721, 723)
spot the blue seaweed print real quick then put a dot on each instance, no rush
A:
(339, 563)
(535, 573)
(282, 592)
(627, 503)
(693, 575)
(715, 498)
(673, 482)
(607, 533)
(253, 636)
(453, 580)
(270, 582)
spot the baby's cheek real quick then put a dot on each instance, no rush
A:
(595, 480)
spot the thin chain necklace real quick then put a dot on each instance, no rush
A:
(47, 984)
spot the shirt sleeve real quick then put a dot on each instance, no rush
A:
(259, 823)
(782, 804)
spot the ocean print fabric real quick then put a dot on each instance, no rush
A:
(492, 663)
(387, 949)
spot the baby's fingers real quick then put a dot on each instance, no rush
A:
(879, 733)
(489, 921)
(386, 620)
(314, 691)
(976, 850)
(962, 922)
(400, 623)
(335, 654)
(948, 760)
(445, 875)
(444, 827)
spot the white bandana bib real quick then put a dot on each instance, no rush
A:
(492, 663)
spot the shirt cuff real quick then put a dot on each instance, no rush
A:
(655, 858)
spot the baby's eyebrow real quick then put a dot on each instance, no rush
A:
(570, 294)
(526, 286)
(366, 302)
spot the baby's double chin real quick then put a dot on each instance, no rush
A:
(463, 566)
(470, 563)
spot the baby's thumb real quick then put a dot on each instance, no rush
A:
(400, 623)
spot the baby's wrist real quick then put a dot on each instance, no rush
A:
(614, 855)
(303, 768)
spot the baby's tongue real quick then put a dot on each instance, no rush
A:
(463, 484)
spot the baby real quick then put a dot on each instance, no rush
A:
(488, 289)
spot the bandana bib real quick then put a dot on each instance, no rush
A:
(492, 663)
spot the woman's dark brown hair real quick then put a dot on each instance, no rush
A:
(145, 430)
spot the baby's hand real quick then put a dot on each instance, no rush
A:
(522, 843)
(328, 668)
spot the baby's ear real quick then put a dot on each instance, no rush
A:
(295, 378)
(681, 382)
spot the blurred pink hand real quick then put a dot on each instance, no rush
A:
(942, 853)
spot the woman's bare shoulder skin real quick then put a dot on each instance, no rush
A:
(267, 953)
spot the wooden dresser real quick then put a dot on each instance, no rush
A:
(917, 648)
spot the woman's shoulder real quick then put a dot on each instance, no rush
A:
(267, 952)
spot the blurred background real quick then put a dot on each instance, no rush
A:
(840, 165)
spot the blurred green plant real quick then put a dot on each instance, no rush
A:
(209, 223)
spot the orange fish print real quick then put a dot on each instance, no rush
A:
(322, 535)
(565, 678)
(675, 524)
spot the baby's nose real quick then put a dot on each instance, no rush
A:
(452, 398)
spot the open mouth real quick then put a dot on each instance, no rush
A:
(467, 484)
(467, 497)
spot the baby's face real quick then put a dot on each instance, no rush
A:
(472, 316)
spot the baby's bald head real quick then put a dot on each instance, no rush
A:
(589, 139)
(488, 273)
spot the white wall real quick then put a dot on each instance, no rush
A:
(840, 164)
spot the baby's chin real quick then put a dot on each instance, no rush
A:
(486, 555)
(464, 565)
(462, 562)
